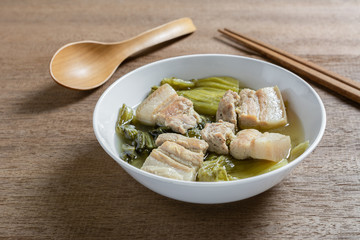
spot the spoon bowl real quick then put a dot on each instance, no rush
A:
(89, 64)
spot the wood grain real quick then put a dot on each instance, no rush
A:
(58, 183)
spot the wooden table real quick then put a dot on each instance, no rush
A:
(56, 182)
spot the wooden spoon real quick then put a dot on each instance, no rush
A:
(88, 64)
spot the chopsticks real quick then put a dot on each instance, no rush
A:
(339, 84)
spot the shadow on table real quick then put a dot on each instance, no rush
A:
(91, 196)
(51, 97)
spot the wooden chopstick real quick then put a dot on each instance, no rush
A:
(343, 86)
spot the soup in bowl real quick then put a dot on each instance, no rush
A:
(305, 113)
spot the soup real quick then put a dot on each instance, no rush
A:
(136, 140)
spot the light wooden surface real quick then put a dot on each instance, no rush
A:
(56, 182)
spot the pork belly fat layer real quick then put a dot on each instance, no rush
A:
(254, 144)
(165, 108)
(164, 172)
(272, 108)
(241, 146)
(161, 164)
(262, 109)
(147, 110)
(249, 109)
(182, 163)
(271, 146)
(182, 155)
(193, 144)
(217, 136)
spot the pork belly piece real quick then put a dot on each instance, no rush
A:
(192, 144)
(241, 146)
(164, 172)
(178, 114)
(262, 109)
(165, 108)
(147, 110)
(254, 144)
(162, 165)
(181, 123)
(249, 109)
(272, 108)
(227, 105)
(182, 155)
(173, 160)
(271, 146)
(218, 135)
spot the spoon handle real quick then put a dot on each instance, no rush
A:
(160, 34)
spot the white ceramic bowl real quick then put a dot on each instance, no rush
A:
(133, 87)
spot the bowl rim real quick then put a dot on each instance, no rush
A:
(289, 166)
